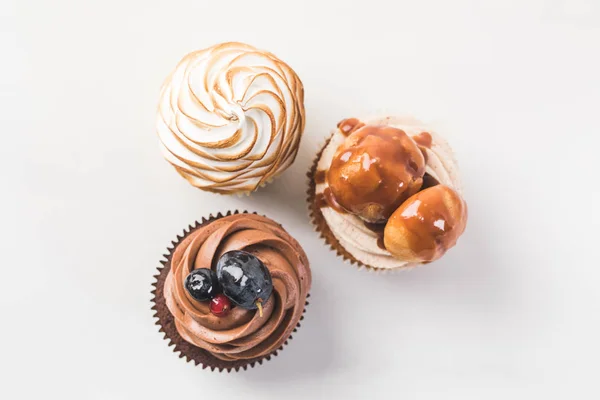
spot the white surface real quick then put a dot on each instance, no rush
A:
(88, 204)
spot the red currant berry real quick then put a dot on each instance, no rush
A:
(220, 305)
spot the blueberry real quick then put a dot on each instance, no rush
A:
(244, 279)
(202, 284)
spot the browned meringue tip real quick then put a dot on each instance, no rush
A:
(221, 66)
(320, 224)
(165, 321)
(241, 194)
(244, 194)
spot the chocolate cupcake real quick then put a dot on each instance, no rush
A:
(230, 118)
(231, 291)
(385, 193)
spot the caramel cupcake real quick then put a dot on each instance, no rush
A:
(230, 118)
(385, 193)
(231, 291)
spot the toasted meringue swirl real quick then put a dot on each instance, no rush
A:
(230, 117)
(241, 334)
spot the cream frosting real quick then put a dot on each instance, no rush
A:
(241, 334)
(230, 117)
(349, 229)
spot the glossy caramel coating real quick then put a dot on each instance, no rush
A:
(426, 225)
(375, 170)
(424, 139)
(349, 125)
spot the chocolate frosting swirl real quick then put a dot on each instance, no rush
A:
(242, 334)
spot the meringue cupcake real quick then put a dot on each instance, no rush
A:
(230, 118)
(231, 291)
(385, 193)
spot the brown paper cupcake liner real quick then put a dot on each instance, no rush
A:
(321, 226)
(166, 321)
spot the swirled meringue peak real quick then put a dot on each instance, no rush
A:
(230, 117)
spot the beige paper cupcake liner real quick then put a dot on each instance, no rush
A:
(166, 321)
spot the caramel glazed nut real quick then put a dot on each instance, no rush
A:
(378, 174)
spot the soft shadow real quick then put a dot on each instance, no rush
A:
(285, 197)
(308, 355)
(471, 275)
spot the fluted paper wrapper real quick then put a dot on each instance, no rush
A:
(166, 322)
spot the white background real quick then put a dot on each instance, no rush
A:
(88, 205)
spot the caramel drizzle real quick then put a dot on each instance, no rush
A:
(377, 229)
(326, 199)
(320, 177)
(423, 139)
(349, 125)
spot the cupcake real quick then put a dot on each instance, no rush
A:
(385, 193)
(230, 118)
(231, 291)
